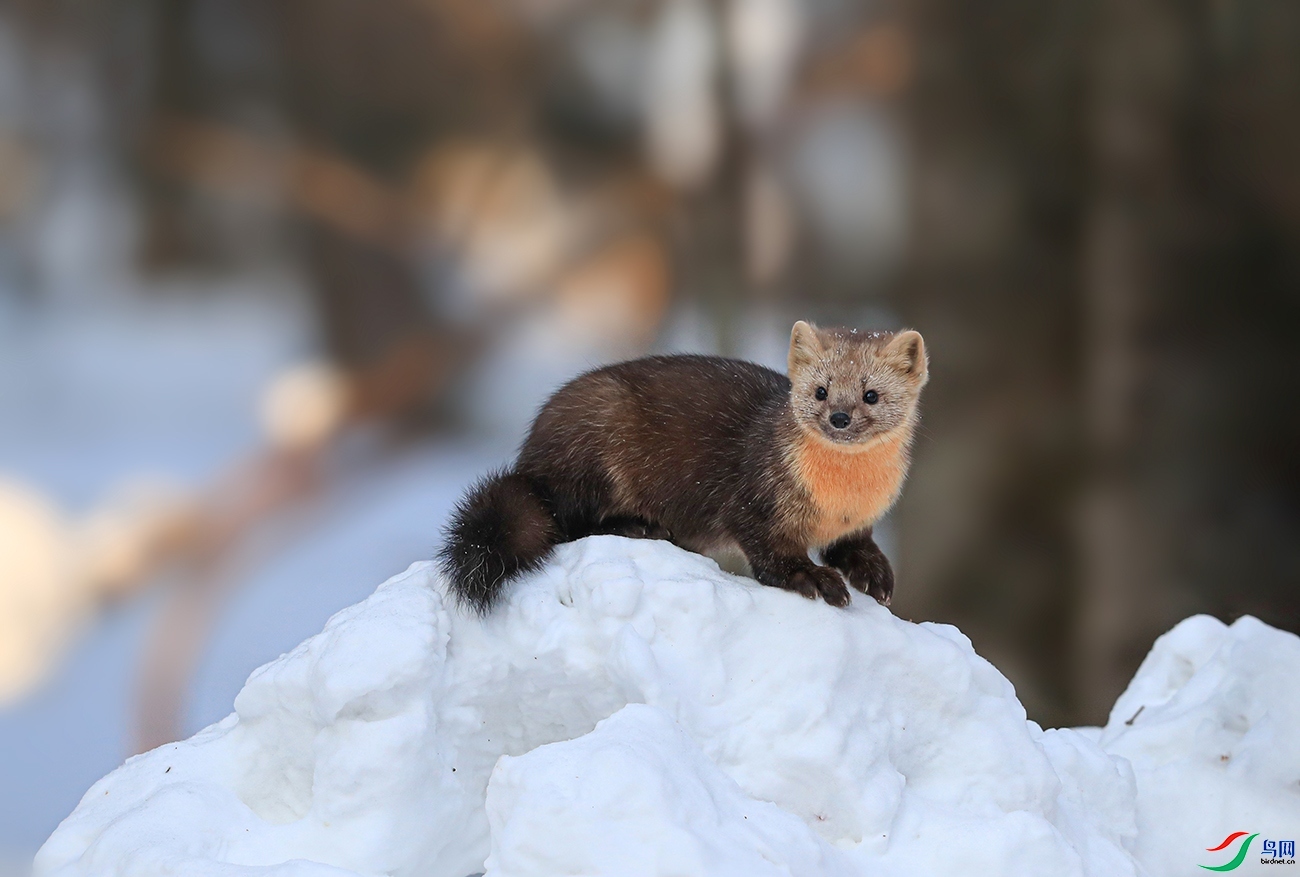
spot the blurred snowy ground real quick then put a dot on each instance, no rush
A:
(165, 387)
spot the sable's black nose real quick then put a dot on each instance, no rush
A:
(839, 420)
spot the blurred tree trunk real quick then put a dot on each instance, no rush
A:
(1106, 256)
(987, 532)
(1138, 67)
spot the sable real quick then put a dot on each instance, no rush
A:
(711, 453)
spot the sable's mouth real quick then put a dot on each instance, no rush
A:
(860, 438)
(844, 436)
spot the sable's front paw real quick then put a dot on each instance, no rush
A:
(873, 576)
(820, 581)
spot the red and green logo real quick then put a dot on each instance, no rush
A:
(1235, 862)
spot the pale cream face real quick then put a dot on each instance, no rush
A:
(851, 387)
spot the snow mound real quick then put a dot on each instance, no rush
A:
(637, 796)
(1211, 725)
(632, 710)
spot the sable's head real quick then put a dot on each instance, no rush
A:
(850, 386)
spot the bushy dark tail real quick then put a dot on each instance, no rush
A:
(502, 527)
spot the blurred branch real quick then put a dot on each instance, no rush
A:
(875, 62)
(326, 187)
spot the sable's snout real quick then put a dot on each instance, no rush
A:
(840, 420)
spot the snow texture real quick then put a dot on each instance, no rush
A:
(633, 711)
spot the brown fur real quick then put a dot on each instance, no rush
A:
(712, 452)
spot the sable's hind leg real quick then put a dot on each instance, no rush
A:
(866, 566)
(633, 528)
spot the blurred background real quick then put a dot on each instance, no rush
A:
(278, 278)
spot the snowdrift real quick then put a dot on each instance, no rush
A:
(632, 710)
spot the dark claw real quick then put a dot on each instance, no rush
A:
(881, 583)
(872, 574)
(820, 581)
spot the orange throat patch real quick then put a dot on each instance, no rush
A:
(850, 488)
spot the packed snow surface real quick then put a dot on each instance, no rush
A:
(631, 710)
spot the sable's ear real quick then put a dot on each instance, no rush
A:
(805, 347)
(908, 350)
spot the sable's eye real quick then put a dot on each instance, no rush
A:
(820, 394)
(871, 397)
